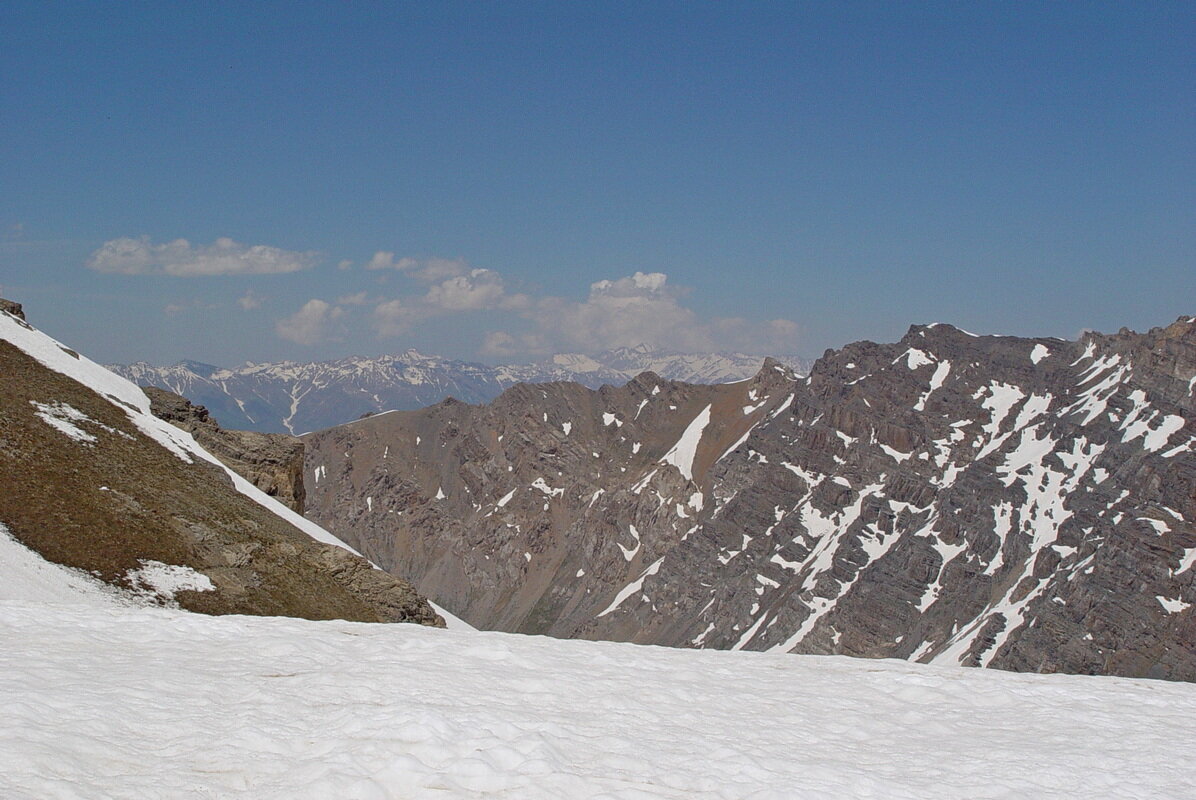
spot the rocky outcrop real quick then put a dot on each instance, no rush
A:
(12, 308)
(273, 462)
(1025, 504)
(93, 481)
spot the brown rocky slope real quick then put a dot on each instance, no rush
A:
(1025, 504)
(92, 481)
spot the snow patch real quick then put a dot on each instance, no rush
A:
(914, 358)
(542, 485)
(936, 381)
(62, 417)
(1172, 606)
(633, 587)
(164, 581)
(682, 454)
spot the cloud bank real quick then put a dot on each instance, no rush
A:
(310, 324)
(642, 308)
(140, 256)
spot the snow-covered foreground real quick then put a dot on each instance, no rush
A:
(102, 699)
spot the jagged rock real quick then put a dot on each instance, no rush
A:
(1025, 504)
(12, 308)
(273, 462)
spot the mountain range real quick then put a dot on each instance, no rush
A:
(117, 522)
(1028, 504)
(293, 397)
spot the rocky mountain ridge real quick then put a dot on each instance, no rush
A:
(273, 462)
(1025, 504)
(94, 481)
(292, 397)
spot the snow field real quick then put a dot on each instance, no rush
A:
(127, 702)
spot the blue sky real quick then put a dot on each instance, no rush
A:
(213, 181)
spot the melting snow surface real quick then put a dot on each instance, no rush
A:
(128, 703)
(1172, 606)
(683, 452)
(895, 454)
(63, 417)
(1039, 352)
(27, 578)
(166, 580)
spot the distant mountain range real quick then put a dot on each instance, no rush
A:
(295, 397)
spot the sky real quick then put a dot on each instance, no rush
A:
(498, 181)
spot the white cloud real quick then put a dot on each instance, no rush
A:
(309, 324)
(344, 264)
(358, 299)
(249, 301)
(500, 343)
(465, 290)
(783, 332)
(480, 289)
(384, 260)
(641, 308)
(395, 317)
(438, 269)
(429, 270)
(129, 256)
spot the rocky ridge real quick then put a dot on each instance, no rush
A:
(92, 480)
(273, 462)
(1025, 504)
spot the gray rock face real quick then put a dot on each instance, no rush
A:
(273, 462)
(1024, 504)
(293, 397)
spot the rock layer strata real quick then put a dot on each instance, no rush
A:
(1025, 504)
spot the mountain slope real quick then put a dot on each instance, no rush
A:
(294, 397)
(1015, 503)
(94, 481)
